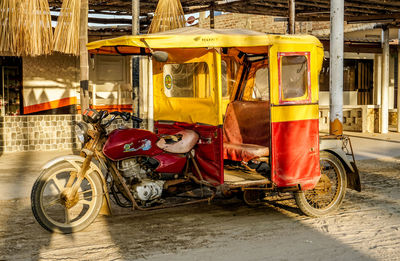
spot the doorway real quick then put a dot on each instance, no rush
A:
(11, 86)
(365, 82)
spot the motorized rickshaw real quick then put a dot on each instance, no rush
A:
(234, 110)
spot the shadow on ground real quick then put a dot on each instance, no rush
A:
(364, 229)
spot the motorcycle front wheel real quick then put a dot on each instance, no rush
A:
(47, 206)
(328, 194)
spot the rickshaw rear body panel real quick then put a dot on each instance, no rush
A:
(295, 153)
(295, 121)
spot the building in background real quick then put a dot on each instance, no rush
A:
(49, 85)
(362, 66)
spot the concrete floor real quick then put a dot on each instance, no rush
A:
(19, 170)
(375, 145)
(365, 228)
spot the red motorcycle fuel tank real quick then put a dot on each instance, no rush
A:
(126, 143)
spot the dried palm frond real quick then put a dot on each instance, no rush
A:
(25, 27)
(66, 35)
(8, 25)
(168, 15)
(36, 33)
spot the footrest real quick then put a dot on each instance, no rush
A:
(240, 178)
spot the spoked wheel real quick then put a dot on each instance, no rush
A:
(50, 206)
(253, 197)
(329, 192)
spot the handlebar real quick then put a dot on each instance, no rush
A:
(126, 116)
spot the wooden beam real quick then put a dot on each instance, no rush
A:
(356, 47)
(84, 58)
(373, 18)
(350, 17)
(250, 9)
(292, 17)
(373, 5)
(96, 20)
(212, 20)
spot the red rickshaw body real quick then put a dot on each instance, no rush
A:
(251, 97)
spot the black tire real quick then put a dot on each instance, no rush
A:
(318, 202)
(48, 214)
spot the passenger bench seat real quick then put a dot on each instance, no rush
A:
(246, 130)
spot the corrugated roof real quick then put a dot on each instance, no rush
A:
(306, 10)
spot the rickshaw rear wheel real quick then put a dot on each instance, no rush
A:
(328, 194)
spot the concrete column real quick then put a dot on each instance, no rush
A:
(398, 84)
(378, 79)
(398, 88)
(292, 17)
(336, 68)
(384, 111)
(135, 17)
(135, 62)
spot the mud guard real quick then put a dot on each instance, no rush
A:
(106, 207)
(353, 176)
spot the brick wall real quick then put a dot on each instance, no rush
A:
(352, 119)
(39, 133)
(360, 118)
(266, 24)
(42, 132)
(259, 23)
(393, 117)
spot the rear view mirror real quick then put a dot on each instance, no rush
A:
(160, 56)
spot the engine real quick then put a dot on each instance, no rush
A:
(132, 169)
(148, 190)
(137, 173)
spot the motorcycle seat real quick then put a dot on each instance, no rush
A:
(183, 143)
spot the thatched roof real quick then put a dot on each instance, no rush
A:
(306, 10)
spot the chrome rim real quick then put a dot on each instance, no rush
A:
(327, 190)
(55, 211)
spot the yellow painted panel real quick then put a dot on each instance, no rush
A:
(316, 58)
(225, 103)
(218, 86)
(294, 112)
(197, 38)
(186, 109)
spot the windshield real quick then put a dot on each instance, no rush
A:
(229, 68)
(190, 80)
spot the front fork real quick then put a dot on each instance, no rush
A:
(69, 196)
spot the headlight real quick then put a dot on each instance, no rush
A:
(81, 129)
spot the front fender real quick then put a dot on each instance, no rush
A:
(353, 177)
(77, 162)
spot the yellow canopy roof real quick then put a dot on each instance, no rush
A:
(191, 37)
